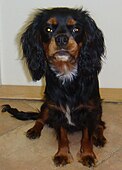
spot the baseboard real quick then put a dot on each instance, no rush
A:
(37, 93)
(21, 92)
(111, 94)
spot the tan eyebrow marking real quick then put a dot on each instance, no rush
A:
(52, 21)
(71, 21)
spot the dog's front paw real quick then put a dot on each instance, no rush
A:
(87, 159)
(61, 159)
(33, 133)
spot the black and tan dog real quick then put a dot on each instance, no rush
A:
(66, 46)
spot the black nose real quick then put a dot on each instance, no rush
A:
(61, 40)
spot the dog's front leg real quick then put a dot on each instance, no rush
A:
(63, 156)
(86, 155)
(35, 131)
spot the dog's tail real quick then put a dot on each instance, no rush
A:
(20, 114)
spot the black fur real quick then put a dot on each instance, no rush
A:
(20, 114)
(91, 53)
(81, 90)
(81, 95)
(85, 86)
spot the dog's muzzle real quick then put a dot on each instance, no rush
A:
(62, 56)
(61, 40)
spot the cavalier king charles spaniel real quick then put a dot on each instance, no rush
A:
(66, 46)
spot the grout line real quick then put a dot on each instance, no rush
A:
(34, 106)
(9, 131)
(35, 109)
(109, 156)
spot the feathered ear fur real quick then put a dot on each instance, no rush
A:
(93, 47)
(33, 48)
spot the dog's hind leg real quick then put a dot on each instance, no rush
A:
(98, 138)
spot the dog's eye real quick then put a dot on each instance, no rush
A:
(75, 30)
(48, 29)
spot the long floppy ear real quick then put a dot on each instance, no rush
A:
(93, 47)
(33, 49)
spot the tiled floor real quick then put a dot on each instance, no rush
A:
(19, 153)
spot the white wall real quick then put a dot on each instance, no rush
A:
(107, 14)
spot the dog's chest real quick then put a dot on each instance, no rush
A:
(67, 113)
(65, 73)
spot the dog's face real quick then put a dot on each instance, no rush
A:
(62, 37)
(66, 39)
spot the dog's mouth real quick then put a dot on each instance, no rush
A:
(62, 55)
(64, 65)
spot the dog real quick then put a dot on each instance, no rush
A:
(66, 46)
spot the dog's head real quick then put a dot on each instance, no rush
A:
(67, 40)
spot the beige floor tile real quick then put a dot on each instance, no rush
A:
(19, 153)
(114, 163)
(112, 117)
(35, 104)
(7, 123)
(22, 153)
